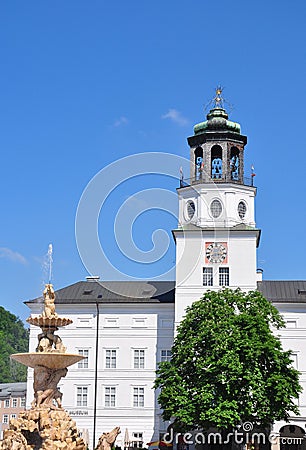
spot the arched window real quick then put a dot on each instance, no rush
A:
(291, 437)
(234, 163)
(216, 162)
(198, 162)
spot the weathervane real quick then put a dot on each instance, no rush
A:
(218, 101)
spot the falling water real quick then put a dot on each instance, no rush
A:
(47, 266)
(50, 261)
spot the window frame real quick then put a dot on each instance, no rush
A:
(110, 396)
(137, 439)
(83, 364)
(82, 396)
(242, 210)
(167, 356)
(139, 358)
(216, 208)
(138, 396)
(110, 358)
(224, 275)
(208, 271)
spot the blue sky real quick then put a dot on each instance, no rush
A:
(86, 83)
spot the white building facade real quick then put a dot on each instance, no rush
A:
(123, 337)
(125, 329)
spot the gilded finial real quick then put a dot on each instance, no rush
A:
(218, 100)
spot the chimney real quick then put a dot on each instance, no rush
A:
(259, 273)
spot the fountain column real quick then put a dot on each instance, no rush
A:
(46, 426)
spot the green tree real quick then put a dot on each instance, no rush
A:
(227, 365)
(14, 338)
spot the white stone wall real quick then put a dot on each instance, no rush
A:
(241, 261)
(294, 338)
(229, 195)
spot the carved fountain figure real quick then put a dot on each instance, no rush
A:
(47, 426)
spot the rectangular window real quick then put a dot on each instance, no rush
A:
(139, 359)
(83, 322)
(111, 322)
(165, 355)
(139, 322)
(223, 276)
(22, 402)
(137, 440)
(110, 359)
(14, 403)
(5, 418)
(6, 403)
(207, 276)
(13, 416)
(110, 397)
(290, 323)
(138, 397)
(84, 363)
(82, 395)
(294, 358)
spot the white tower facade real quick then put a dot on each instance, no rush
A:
(216, 238)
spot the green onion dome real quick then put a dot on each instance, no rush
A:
(217, 120)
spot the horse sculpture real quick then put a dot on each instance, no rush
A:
(107, 440)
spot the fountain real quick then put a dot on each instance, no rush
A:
(46, 426)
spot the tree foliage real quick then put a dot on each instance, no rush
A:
(227, 365)
(14, 338)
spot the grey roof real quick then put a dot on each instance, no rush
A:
(151, 292)
(115, 292)
(283, 291)
(8, 390)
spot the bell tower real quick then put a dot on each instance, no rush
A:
(216, 237)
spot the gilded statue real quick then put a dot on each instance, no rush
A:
(49, 306)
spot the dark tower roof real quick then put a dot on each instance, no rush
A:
(217, 127)
(217, 120)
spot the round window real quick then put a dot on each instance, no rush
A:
(216, 208)
(190, 209)
(242, 210)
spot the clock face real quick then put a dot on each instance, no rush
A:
(216, 252)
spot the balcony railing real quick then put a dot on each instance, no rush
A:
(247, 181)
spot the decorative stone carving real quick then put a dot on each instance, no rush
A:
(45, 387)
(107, 440)
(14, 440)
(50, 342)
(42, 429)
(49, 306)
(46, 426)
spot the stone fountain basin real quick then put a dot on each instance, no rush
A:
(51, 360)
(49, 322)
